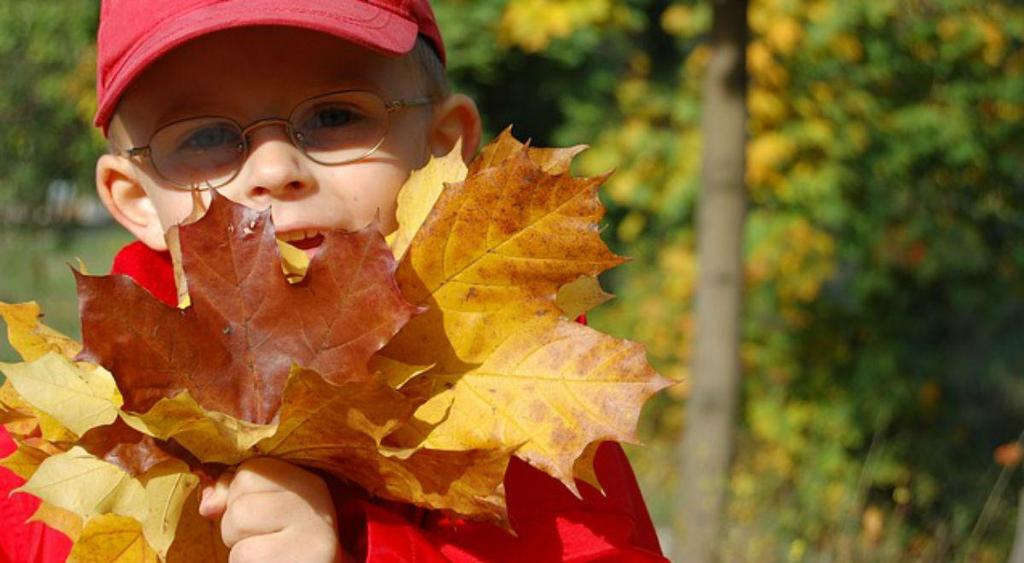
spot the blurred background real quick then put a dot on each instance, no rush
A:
(882, 392)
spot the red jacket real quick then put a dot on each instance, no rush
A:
(551, 523)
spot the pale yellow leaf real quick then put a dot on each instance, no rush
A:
(64, 521)
(420, 192)
(51, 428)
(111, 538)
(79, 396)
(168, 486)
(583, 468)
(24, 461)
(396, 373)
(197, 540)
(294, 262)
(211, 436)
(85, 485)
(32, 339)
(577, 297)
(15, 411)
(172, 237)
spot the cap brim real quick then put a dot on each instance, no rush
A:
(369, 26)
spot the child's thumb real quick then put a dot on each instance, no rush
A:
(214, 500)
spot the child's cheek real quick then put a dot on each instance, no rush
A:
(174, 206)
(370, 190)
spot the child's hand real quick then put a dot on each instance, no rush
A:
(273, 511)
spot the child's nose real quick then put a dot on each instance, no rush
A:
(275, 169)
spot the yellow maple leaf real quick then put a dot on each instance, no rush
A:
(89, 487)
(546, 389)
(396, 373)
(577, 297)
(78, 396)
(65, 522)
(495, 250)
(167, 486)
(420, 193)
(551, 160)
(111, 538)
(14, 410)
(294, 262)
(211, 436)
(29, 337)
(24, 461)
(79, 482)
(196, 538)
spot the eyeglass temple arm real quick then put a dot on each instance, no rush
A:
(137, 151)
(399, 104)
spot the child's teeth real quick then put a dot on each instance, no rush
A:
(299, 235)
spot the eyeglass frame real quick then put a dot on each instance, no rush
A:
(145, 151)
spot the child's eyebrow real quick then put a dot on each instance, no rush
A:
(345, 81)
(185, 110)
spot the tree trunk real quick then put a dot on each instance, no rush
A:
(1017, 555)
(706, 448)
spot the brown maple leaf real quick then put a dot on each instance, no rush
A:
(126, 447)
(233, 347)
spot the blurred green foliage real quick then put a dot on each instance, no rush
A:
(47, 96)
(883, 352)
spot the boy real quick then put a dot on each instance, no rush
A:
(319, 110)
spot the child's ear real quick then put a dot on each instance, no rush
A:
(126, 200)
(456, 118)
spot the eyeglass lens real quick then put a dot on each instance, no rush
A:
(331, 129)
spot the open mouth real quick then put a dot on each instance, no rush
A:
(307, 240)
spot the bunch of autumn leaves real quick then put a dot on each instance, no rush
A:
(414, 366)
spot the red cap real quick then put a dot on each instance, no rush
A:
(134, 33)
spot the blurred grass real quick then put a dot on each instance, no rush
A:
(34, 267)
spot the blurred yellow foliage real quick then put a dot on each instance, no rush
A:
(697, 62)
(686, 20)
(993, 39)
(797, 258)
(846, 46)
(676, 19)
(765, 156)
(767, 109)
(533, 24)
(784, 35)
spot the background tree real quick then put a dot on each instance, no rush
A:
(706, 448)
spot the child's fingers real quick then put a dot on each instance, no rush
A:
(253, 514)
(281, 546)
(265, 475)
(258, 549)
(214, 500)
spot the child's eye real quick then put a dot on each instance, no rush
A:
(210, 138)
(333, 117)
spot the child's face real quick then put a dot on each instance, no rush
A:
(257, 73)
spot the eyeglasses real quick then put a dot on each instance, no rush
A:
(201, 153)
